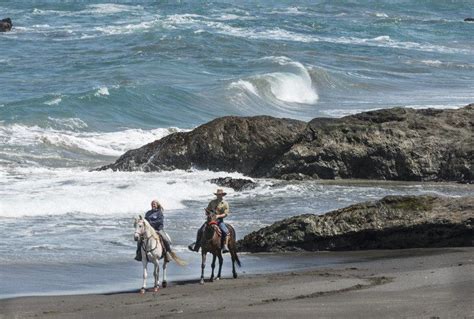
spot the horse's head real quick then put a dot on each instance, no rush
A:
(210, 216)
(139, 225)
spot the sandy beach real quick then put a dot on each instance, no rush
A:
(425, 283)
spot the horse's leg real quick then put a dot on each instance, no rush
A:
(213, 265)
(233, 251)
(144, 263)
(165, 283)
(156, 274)
(221, 261)
(234, 273)
(203, 265)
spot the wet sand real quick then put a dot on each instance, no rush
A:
(426, 283)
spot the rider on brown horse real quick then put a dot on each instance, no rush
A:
(221, 208)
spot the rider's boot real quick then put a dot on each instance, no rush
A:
(196, 245)
(168, 256)
(225, 249)
(138, 255)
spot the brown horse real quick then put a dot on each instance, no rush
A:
(211, 242)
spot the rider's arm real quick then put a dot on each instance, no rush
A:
(156, 220)
(224, 210)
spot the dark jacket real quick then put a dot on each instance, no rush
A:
(155, 218)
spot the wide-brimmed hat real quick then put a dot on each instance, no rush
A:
(220, 191)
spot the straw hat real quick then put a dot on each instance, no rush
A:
(220, 191)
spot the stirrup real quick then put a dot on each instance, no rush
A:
(194, 247)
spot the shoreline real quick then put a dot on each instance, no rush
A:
(435, 282)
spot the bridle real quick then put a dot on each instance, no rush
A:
(142, 239)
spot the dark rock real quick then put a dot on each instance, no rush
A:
(237, 184)
(469, 19)
(388, 144)
(393, 222)
(391, 144)
(5, 25)
(243, 144)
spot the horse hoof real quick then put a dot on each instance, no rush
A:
(164, 284)
(218, 278)
(142, 291)
(211, 279)
(202, 282)
(235, 276)
(156, 289)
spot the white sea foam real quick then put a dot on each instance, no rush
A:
(111, 8)
(41, 191)
(432, 62)
(93, 9)
(102, 91)
(290, 11)
(126, 28)
(382, 38)
(37, 11)
(381, 15)
(68, 123)
(225, 17)
(438, 63)
(54, 101)
(108, 143)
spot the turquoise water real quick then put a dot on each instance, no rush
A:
(85, 81)
(148, 64)
(92, 67)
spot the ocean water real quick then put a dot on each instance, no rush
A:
(84, 81)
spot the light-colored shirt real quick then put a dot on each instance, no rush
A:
(219, 207)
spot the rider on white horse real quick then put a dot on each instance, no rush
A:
(156, 219)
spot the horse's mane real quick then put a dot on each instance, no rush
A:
(148, 226)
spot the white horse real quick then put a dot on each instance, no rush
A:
(152, 250)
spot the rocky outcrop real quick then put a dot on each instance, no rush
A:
(392, 144)
(393, 222)
(5, 25)
(469, 19)
(389, 144)
(242, 144)
(237, 184)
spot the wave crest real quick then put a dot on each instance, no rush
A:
(291, 83)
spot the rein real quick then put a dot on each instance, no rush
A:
(144, 239)
(215, 225)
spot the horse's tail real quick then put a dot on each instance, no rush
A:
(233, 252)
(177, 259)
(233, 247)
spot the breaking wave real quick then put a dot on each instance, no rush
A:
(61, 191)
(103, 143)
(291, 83)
